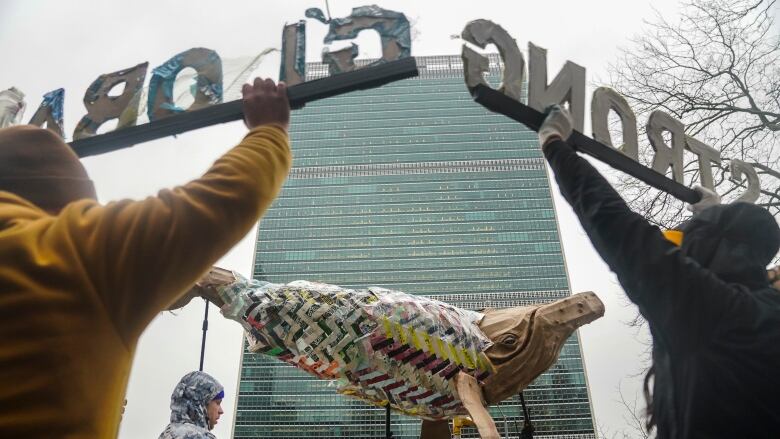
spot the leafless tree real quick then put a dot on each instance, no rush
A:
(633, 416)
(716, 67)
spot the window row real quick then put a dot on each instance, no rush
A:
(348, 255)
(369, 157)
(474, 135)
(420, 277)
(349, 114)
(463, 286)
(422, 218)
(531, 174)
(396, 131)
(383, 119)
(389, 236)
(454, 184)
(375, 149)
(431, 196)
(271, 242)
(410, 208)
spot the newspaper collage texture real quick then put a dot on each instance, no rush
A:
(378, 345)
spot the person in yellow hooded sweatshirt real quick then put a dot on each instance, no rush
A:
(80, 280)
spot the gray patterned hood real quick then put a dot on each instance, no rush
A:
(188, 407)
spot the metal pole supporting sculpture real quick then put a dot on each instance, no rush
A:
(423, 357)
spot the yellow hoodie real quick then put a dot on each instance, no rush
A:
(77, 289)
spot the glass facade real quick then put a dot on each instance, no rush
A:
(414, 187)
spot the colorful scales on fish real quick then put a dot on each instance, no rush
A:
(379, 345)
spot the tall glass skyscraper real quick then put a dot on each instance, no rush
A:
(414, 187)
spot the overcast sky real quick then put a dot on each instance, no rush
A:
(45, 45)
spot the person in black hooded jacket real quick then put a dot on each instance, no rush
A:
(714, 319)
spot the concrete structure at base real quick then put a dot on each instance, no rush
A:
(413, 187)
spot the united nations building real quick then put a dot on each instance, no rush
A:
(414, 187)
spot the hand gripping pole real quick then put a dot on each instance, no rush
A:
(498, 102)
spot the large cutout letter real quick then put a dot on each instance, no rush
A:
(208, 86)
(474, 67)
(484, 32)
(101, 107)
(605, 99)
(50, 113)
(12, 107)
(568, 85)
(340, 61)
(666, 156)
(393, 28)
(737, 168)
(293, 68)
(707, 155)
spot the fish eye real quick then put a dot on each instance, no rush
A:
(508, 339)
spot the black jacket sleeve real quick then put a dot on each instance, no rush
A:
(683, 302)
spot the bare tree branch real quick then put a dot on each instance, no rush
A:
(716, 67)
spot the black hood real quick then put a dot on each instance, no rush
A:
(735, 241)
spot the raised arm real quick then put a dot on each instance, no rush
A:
(206, 288)
(670, 289)
(141, 256)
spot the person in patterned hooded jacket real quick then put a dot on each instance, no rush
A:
(195, 407)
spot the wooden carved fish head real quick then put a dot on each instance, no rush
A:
(528, 339)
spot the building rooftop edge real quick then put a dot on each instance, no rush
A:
(430, 67)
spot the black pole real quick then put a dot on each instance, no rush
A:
(528, 428)
(498, 102)
(388, 433)
(299, 95)
(203, 340)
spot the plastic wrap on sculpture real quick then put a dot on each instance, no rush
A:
(379, 345)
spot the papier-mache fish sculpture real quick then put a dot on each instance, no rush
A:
(423, 357)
